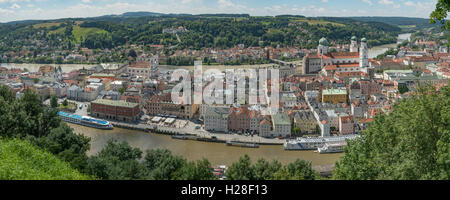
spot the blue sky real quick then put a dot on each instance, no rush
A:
(11, 10)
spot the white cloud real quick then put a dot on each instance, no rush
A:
(409, 3)
(386, 2)
(368, 2)
(15, 6)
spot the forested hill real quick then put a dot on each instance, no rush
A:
(201, 31)
(402, 22)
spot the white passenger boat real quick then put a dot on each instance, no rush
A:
(337, 147)
(314, 143)
(85, 121)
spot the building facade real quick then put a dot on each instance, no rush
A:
(115, 110)
(334, 96)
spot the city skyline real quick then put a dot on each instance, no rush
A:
(16, 10)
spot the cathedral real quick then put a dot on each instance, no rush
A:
(338, 61)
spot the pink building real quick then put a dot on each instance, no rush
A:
(370, 87)
(346, 125)
(239, 119)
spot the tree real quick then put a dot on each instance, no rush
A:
(440, 13)
(411, 142)
(296, 130)
(162, 165)
(132, 53)
(53, 101)
(121, 90)
(28, 119)
(200, 170)
(298, 170)
(317, 130)
(66, 145)
(403, 89)
(264, 170)
(117, 161)
(241, 170)
(6, 93)
(65, 103)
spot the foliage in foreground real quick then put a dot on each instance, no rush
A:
(412, 142)
(28, 119)
(20, 160)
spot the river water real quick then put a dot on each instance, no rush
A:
(216, 153)
(377, 50)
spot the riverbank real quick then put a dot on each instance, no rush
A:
(199, 135)
(192, 150)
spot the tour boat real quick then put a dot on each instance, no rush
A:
(314, 143)
(85, 121)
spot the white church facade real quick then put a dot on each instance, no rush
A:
(338, 61)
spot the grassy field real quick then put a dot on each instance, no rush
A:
(20, 160)
(315, 22)
(46, 25)
(79, 32)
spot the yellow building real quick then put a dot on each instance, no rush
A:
(334, 96)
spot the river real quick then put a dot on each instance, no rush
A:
(377, 50)
(216, 153)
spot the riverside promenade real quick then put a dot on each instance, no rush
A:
(198, 134)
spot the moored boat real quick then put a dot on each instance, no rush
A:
(337, 147)
(85, 121)
(314, 143)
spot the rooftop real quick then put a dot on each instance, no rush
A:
(115, 103)
(281, 119)
(334, 92)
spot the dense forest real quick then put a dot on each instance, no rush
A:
(203, 31)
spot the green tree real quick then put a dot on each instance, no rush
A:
(162, 165)
(53, 101)
(66, 145)
(132, 53)
(298, 170)
(65, 103)
(264, 170)
(241, 170)
(297, 131)
(440, 13)
(121, 90)
(117, 161)
(200, 170)
(411, 142)
(6, 93)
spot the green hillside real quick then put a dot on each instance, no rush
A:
(81, 32)
(19, 160)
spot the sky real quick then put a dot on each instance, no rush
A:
(13, 10)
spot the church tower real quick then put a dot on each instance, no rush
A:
(322, 49)
(354, 44)
(364, 54)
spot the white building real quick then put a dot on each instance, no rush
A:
(216, 119)
(282, 125)
(145, 68)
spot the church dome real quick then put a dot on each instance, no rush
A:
(354, 38)
(364, 40)
(323, 42)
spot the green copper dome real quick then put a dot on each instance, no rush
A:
(323, 42)
(354, 38)
(364, 40)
